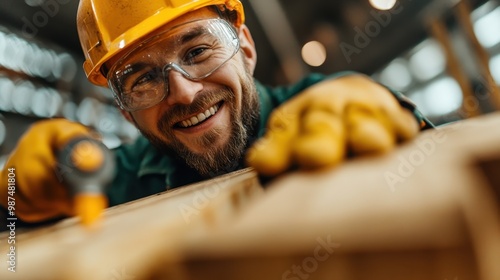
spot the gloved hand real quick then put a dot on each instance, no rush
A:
(40, 192)
(319, 127)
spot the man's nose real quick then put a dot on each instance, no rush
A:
(181, 89)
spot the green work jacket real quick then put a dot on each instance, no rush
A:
(142, 170)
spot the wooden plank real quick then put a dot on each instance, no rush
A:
(440, 217)
(425, 211)
(131, 230)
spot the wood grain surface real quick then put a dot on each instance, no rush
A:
(428, 210)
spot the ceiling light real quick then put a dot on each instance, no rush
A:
(40, 101)
(486, 29)
(3, 132)
(6, 89)
(396, 75)
(495, 67)
(383, 4)
(429, 61)
(21, 97)
(314, 53)
(34, 3)
(443, 96)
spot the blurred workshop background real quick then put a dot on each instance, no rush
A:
(443, 54)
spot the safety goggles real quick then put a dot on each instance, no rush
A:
(196, 49)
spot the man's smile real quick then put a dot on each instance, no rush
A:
(204, 121)
(200, 117)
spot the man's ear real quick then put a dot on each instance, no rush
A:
(247, 45)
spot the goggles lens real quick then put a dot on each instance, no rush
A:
(196, 49)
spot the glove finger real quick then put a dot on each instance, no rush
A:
(40, 192)
(405, 124)
(353, 90)
(61, 131)
(36, 198)
(369, 131)
(271, 154)
(321, 142)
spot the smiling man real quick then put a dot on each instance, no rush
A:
(201, 72)
(182, 72)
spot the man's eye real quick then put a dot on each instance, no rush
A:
(146, 78)
(197, 54)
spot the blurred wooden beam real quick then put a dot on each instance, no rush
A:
(462, 13)
(281, 36)
(439, 31)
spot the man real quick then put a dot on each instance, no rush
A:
(182, 72)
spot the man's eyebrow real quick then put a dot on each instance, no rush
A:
(191, 35)
(132, 68)
(182, 38)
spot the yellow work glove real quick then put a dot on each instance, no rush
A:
(40, 193)
(321, 126)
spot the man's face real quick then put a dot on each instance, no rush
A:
(206, 122)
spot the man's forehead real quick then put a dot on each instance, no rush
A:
(203, 13)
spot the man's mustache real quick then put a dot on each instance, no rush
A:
(201, 102)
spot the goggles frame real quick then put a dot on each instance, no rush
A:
(115, 84)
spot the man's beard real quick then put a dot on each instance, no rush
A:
(216, 160)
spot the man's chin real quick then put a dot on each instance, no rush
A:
(213, 162)
(209, 160)
(203, 145)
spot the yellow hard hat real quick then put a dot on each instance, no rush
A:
(106, 28)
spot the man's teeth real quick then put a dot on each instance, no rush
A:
(200, 117)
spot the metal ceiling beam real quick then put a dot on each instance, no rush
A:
(278, 31)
